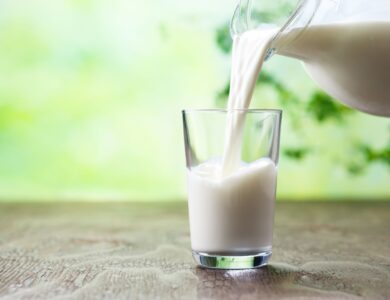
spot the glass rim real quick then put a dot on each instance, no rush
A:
(224, 110)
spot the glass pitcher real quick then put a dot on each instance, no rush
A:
(344, 44)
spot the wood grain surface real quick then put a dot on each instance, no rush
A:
(142, 251)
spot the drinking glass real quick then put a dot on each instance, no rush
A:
(231, 214)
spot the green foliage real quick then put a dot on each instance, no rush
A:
(367, 155)
(296, 153)
(322, 108)
(372, 155)
(222, 96)
(285, 96)
(223, 39)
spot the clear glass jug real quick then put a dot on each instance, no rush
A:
(344, 44)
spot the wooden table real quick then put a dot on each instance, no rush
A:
(142, 251)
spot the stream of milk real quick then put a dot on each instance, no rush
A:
(350, 61)
(232, 203)
(248, 54)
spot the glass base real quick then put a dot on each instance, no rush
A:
(232, 262)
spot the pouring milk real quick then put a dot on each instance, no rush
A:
(231, 204)
(350, 69)
(350, 61)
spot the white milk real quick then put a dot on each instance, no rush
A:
(231, 205)
(350, 61)
(234, 213)
(248, 54)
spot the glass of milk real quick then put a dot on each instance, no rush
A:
(232, 158)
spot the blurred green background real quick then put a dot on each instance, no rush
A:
(91, 93)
